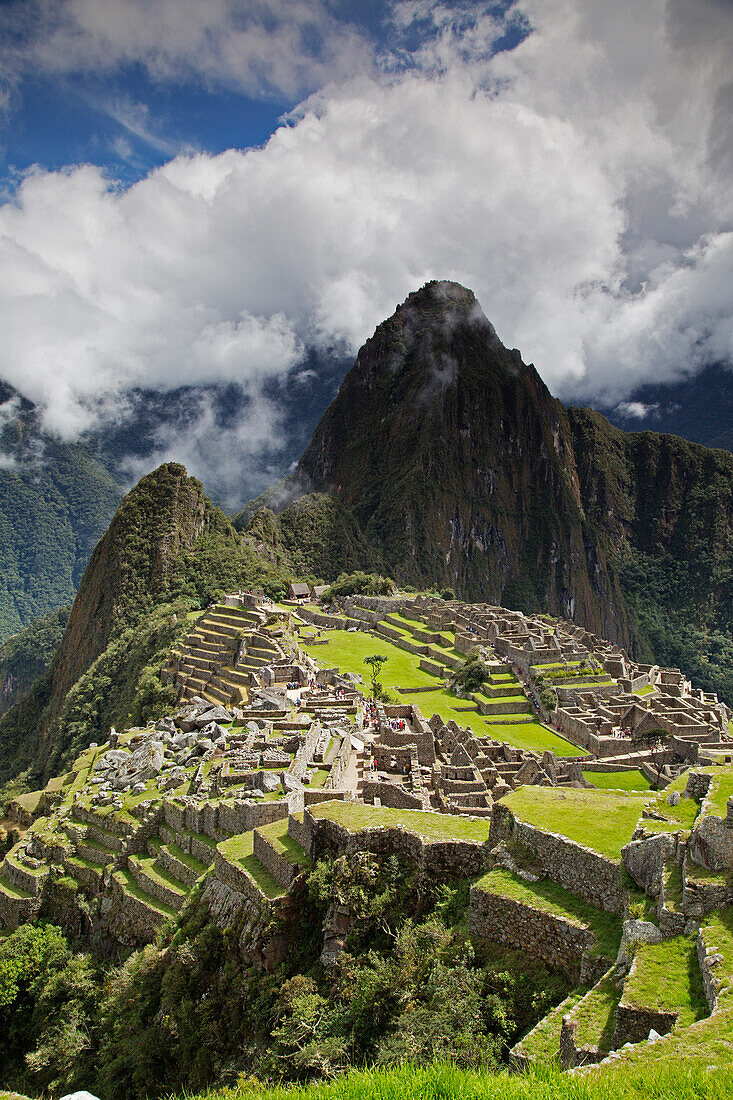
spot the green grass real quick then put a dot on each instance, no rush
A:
(542, 1044)
(447, 1082)
(81, 861)
(319, 779)
(721, 789)
(595, 1014)
(556, 664)
(13, 891)
(602, 820)
(240, 849)
(548, 897)
(159, 874)
(186, 858)
(681, 816)
(131, 887)
(666, 978)
(430, 826)
(533, 736)
(618, 781)
(277, 835)
(646, 690)
(347, 652)
(583, 685)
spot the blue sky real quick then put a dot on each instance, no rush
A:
(203, 192)
(130, 120)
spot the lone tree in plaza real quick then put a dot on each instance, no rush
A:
(376, 662)
(657, 743)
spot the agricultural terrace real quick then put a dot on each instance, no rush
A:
(346, 651)
(602, 820)
(431, 826)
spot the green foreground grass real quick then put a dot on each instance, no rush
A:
(445, 1082)
(601, 820)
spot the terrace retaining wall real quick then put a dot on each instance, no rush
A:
(441, 860)
(279, 867)
(583, 872)
(392, 794)
(543, 935)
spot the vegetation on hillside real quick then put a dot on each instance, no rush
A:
(54, 506)
(168, 551)
(191, 1011)
(28, 654)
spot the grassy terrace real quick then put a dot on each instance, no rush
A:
(705, 1044)
(602, 820)
(721, 788)
(550, 898)
(128, 884)
(347, 652)
(618, 781)
(11, 890)
(277, 835)
(681, 816)
(430, 826)
(666, 978)
(542, 1044)
(159, 874)
(595, 1014)
(240, 850)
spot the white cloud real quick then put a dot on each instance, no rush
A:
(576, 183)
(283, 47)
(636, 410)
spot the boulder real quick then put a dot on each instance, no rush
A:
(636, 931)
(270, 782)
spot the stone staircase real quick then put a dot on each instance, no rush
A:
(205, 662)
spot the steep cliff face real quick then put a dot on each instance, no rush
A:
(663, 509)
(459, 467)
(165, 514)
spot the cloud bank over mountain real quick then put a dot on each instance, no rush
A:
(577, 181)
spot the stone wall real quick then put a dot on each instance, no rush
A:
(698, 785)
(578, 869)
(128, 919)
(340, 764)
(392, 794)
(633, 1023)
(546, 937)
(570, 1053)
(16, 911)
(300, 832)
(711, 842)
(709, 961)
(439, 860)
(231, 875)
(281, 869)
